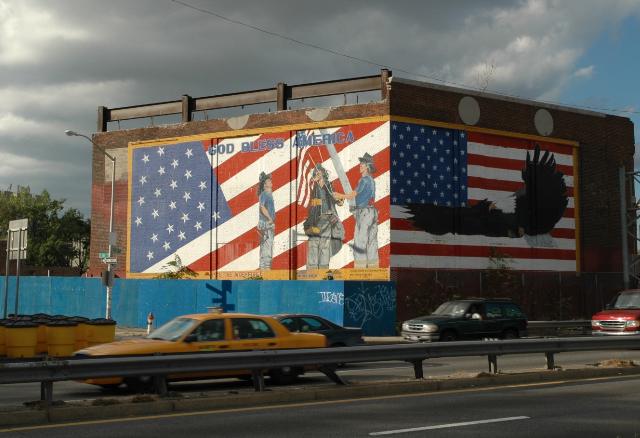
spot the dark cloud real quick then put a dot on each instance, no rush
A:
(59, 59)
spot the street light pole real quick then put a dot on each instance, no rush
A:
(113, 181)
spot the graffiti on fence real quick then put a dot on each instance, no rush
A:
(369, 303)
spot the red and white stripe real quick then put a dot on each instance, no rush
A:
(494, 166)
(234, 246)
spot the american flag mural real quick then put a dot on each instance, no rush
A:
(457, 196)
(236, 207)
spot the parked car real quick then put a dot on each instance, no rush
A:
(620, 317)
(468, 319)
(214, 332)
(337, 336)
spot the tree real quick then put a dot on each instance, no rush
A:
(57, 237)
(175, 270)
(500, 279)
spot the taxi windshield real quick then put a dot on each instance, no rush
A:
(173, 330)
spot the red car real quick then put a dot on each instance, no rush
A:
(621, 317)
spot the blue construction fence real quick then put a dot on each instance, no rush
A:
(370, 305)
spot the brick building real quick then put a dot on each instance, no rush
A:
(560, 258)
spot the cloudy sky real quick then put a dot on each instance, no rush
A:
(60, 60)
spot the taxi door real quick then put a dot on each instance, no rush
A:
(252, 334)
(210, 335)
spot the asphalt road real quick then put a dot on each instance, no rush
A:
(604, 407)
(12, 395)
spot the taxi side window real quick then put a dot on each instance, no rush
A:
(211, 330)
(246, 328)
(290, 324)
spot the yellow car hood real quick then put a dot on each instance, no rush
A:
(133, 346)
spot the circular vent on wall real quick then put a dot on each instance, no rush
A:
(469, 110)
(543, 122)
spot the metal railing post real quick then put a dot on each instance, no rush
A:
(623, 224)
(417, 369)
(160, 385)
(551, 364)
(493, 363)
(111, 206)
(18, 271)
(6, 277)
(258, 380)
(46, 392)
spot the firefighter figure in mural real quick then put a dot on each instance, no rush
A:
(365, 239)
(323, 226)
(266, 220)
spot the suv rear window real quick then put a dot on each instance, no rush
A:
(512, 311)
(493, 310)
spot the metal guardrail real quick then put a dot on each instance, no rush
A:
(578, 323)
(259, 362)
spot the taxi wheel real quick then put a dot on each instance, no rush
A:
(143, 384)
(111, 387)
(284, 376)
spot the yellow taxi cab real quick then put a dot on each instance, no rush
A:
(208, 332)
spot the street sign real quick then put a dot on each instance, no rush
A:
(18, 239)
(103, 255)
(18, 224)
(107, 278)
(110, 260)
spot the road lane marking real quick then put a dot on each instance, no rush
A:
(446, 426)
(305, 404)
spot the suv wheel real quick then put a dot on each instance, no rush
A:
(510, 334)
(448, 336)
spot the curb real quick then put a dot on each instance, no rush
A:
(152, 405)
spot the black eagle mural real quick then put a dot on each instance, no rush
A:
(539, 205)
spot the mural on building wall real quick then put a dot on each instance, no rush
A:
(307, 204)
(458, 196)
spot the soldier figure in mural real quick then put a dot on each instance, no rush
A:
(323, 226)
(266, 220)
(365, 240)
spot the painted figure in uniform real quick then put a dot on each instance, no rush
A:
(365, 240)
(266, 220)
(323, 226)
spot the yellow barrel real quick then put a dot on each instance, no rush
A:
(41, 346)
(3, 343)
(101, 331)
(21, 338)
(61, 338)
(82, 331)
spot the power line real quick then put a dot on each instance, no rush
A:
(391, 67)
